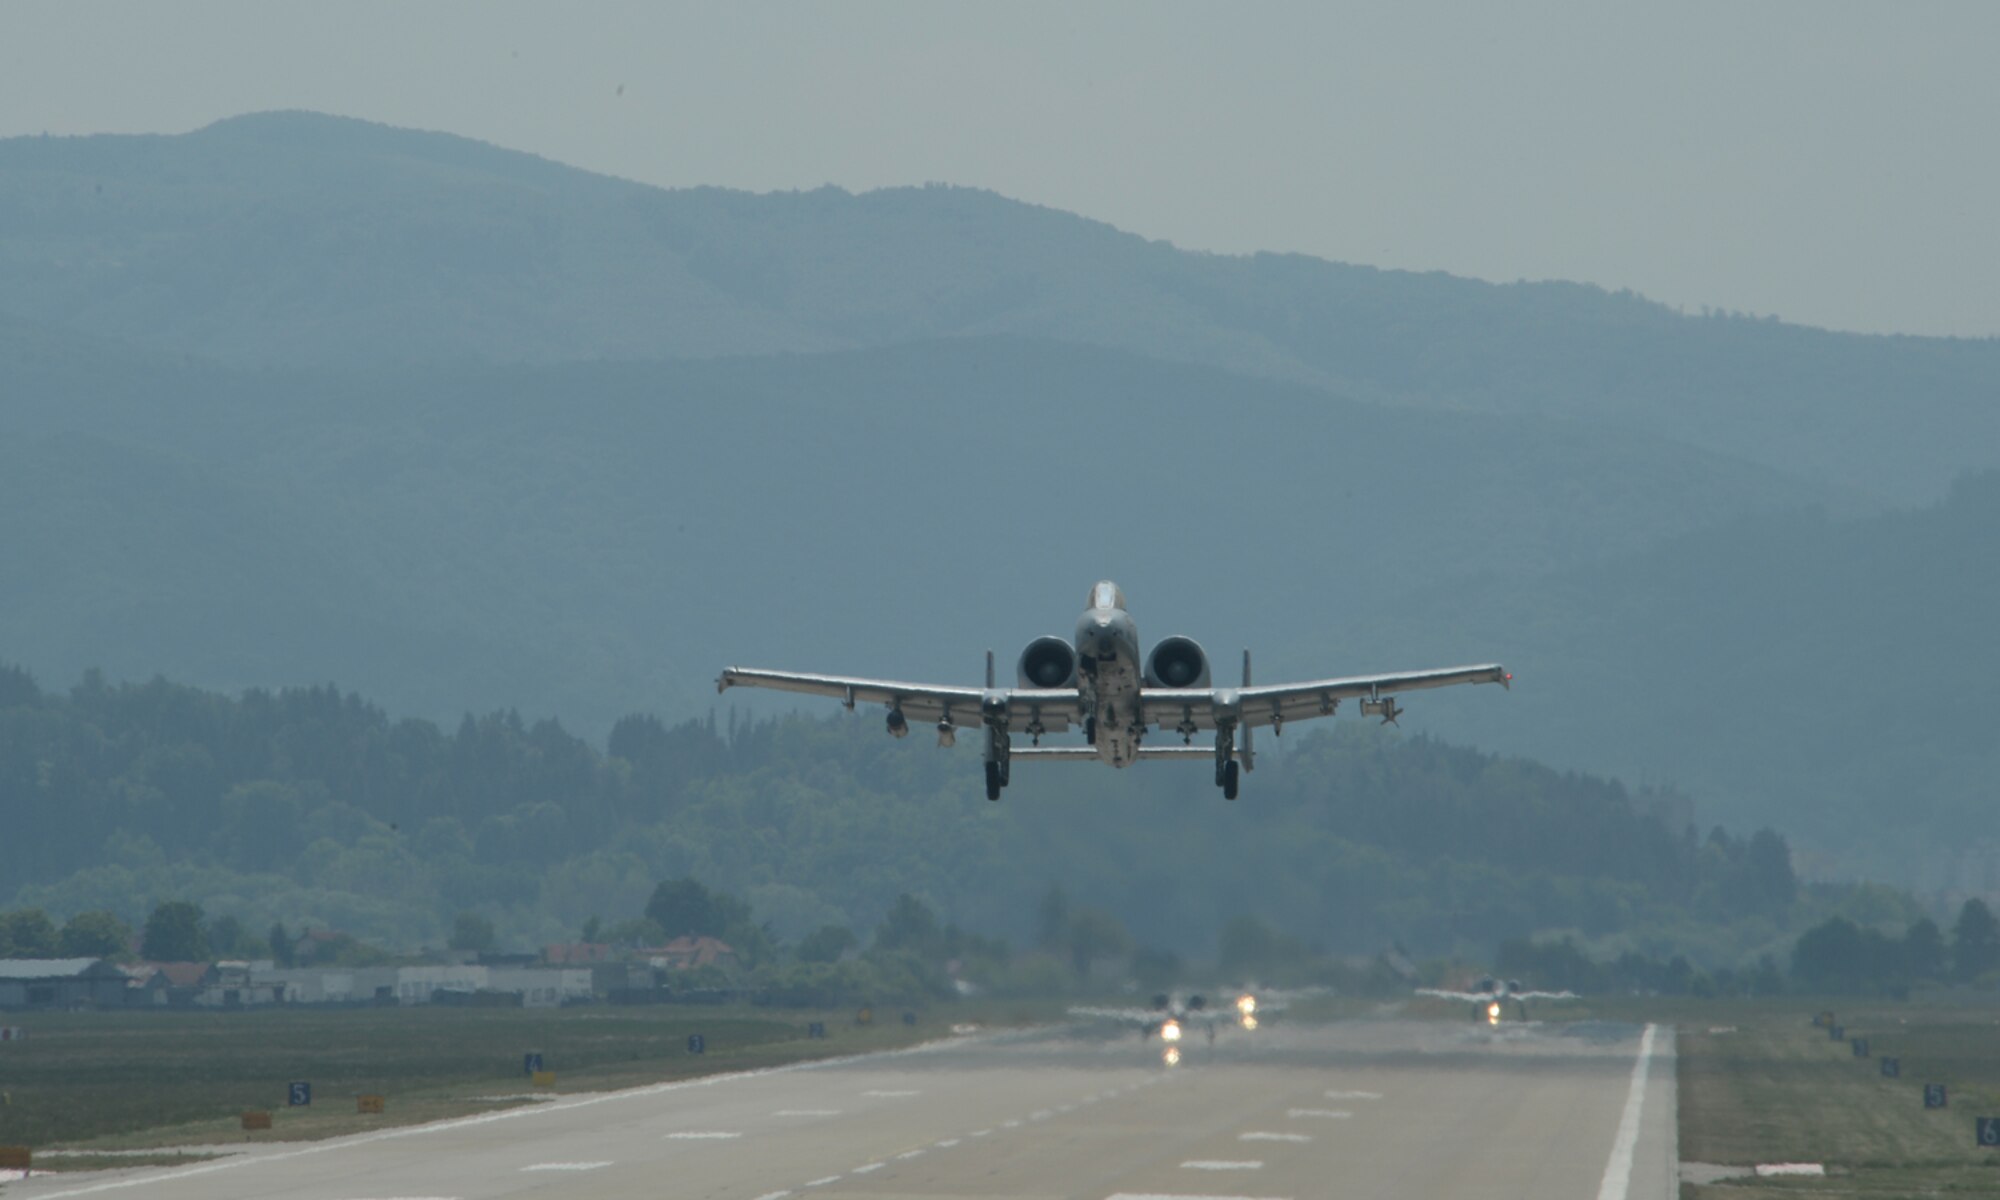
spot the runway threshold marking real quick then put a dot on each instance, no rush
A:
(1223, 1164)
(1618, 1171)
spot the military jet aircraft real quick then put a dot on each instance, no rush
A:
(1487, 997)
(1171, 1015)
(1096, 681)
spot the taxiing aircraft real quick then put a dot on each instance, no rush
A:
(1096, 681)
(1171, 1016)
(1488, 995)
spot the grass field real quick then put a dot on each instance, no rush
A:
(1760, 1084)
(121, 1081)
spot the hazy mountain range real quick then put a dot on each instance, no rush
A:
(296, 398)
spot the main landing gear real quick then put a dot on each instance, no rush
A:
(1226, 766)
(998, 757)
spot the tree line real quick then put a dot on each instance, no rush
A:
(312, 808)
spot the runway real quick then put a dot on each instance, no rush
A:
(1352, 1109)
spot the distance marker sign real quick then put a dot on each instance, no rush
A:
(1989, 1131)
(1934, 1095)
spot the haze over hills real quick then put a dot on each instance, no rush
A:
(591, 539)
(296, 238)
(296, 398)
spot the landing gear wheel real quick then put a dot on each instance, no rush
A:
(993, 781)
(1229, 770)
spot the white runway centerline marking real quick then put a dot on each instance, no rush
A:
(823, 1181)
(807, 1112)
(947, 1143)
(896, 1093)
(1331, 1114)
(866, 1169)
(774, 1196)
(1354, 1095)
(703, 1135)
(1259, 1135)
(909, 1154)
(568, 1166)
(1222, 1164)
(979, 1133)
(1618, 1171)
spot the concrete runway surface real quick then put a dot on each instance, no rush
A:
(1354, 1109)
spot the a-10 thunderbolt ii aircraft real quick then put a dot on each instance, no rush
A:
(1486, 997)
(1097, 682)
(1171, 1014)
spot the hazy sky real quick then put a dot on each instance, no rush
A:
(1830, 163)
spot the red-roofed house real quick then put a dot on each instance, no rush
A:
(689, 951)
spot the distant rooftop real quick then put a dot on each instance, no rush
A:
(46, 968)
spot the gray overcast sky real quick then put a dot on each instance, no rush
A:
(1833, 164)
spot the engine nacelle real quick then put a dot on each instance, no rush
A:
(1177, 662)
(1048, 662)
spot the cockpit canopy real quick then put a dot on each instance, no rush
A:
(1106, 594)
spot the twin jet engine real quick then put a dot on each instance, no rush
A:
(1050, 662)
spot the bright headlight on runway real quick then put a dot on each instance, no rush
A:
(1171, 1031)
(1249, 1022)
(1246, 1004)
(1172, 1057)
(1493, 1013)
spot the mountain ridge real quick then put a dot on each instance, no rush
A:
(294, 239)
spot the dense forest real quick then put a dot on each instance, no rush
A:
(313, 808)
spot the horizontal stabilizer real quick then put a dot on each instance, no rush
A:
(1089, 753)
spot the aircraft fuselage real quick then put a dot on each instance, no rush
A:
(1108, 673)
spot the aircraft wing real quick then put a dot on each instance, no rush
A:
(1273, 704)
(1126, 1016)
(1478, 997)
(1466, 997)
(1055, 708)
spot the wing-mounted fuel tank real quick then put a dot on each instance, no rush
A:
(1048, 662)
(1177, 662)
